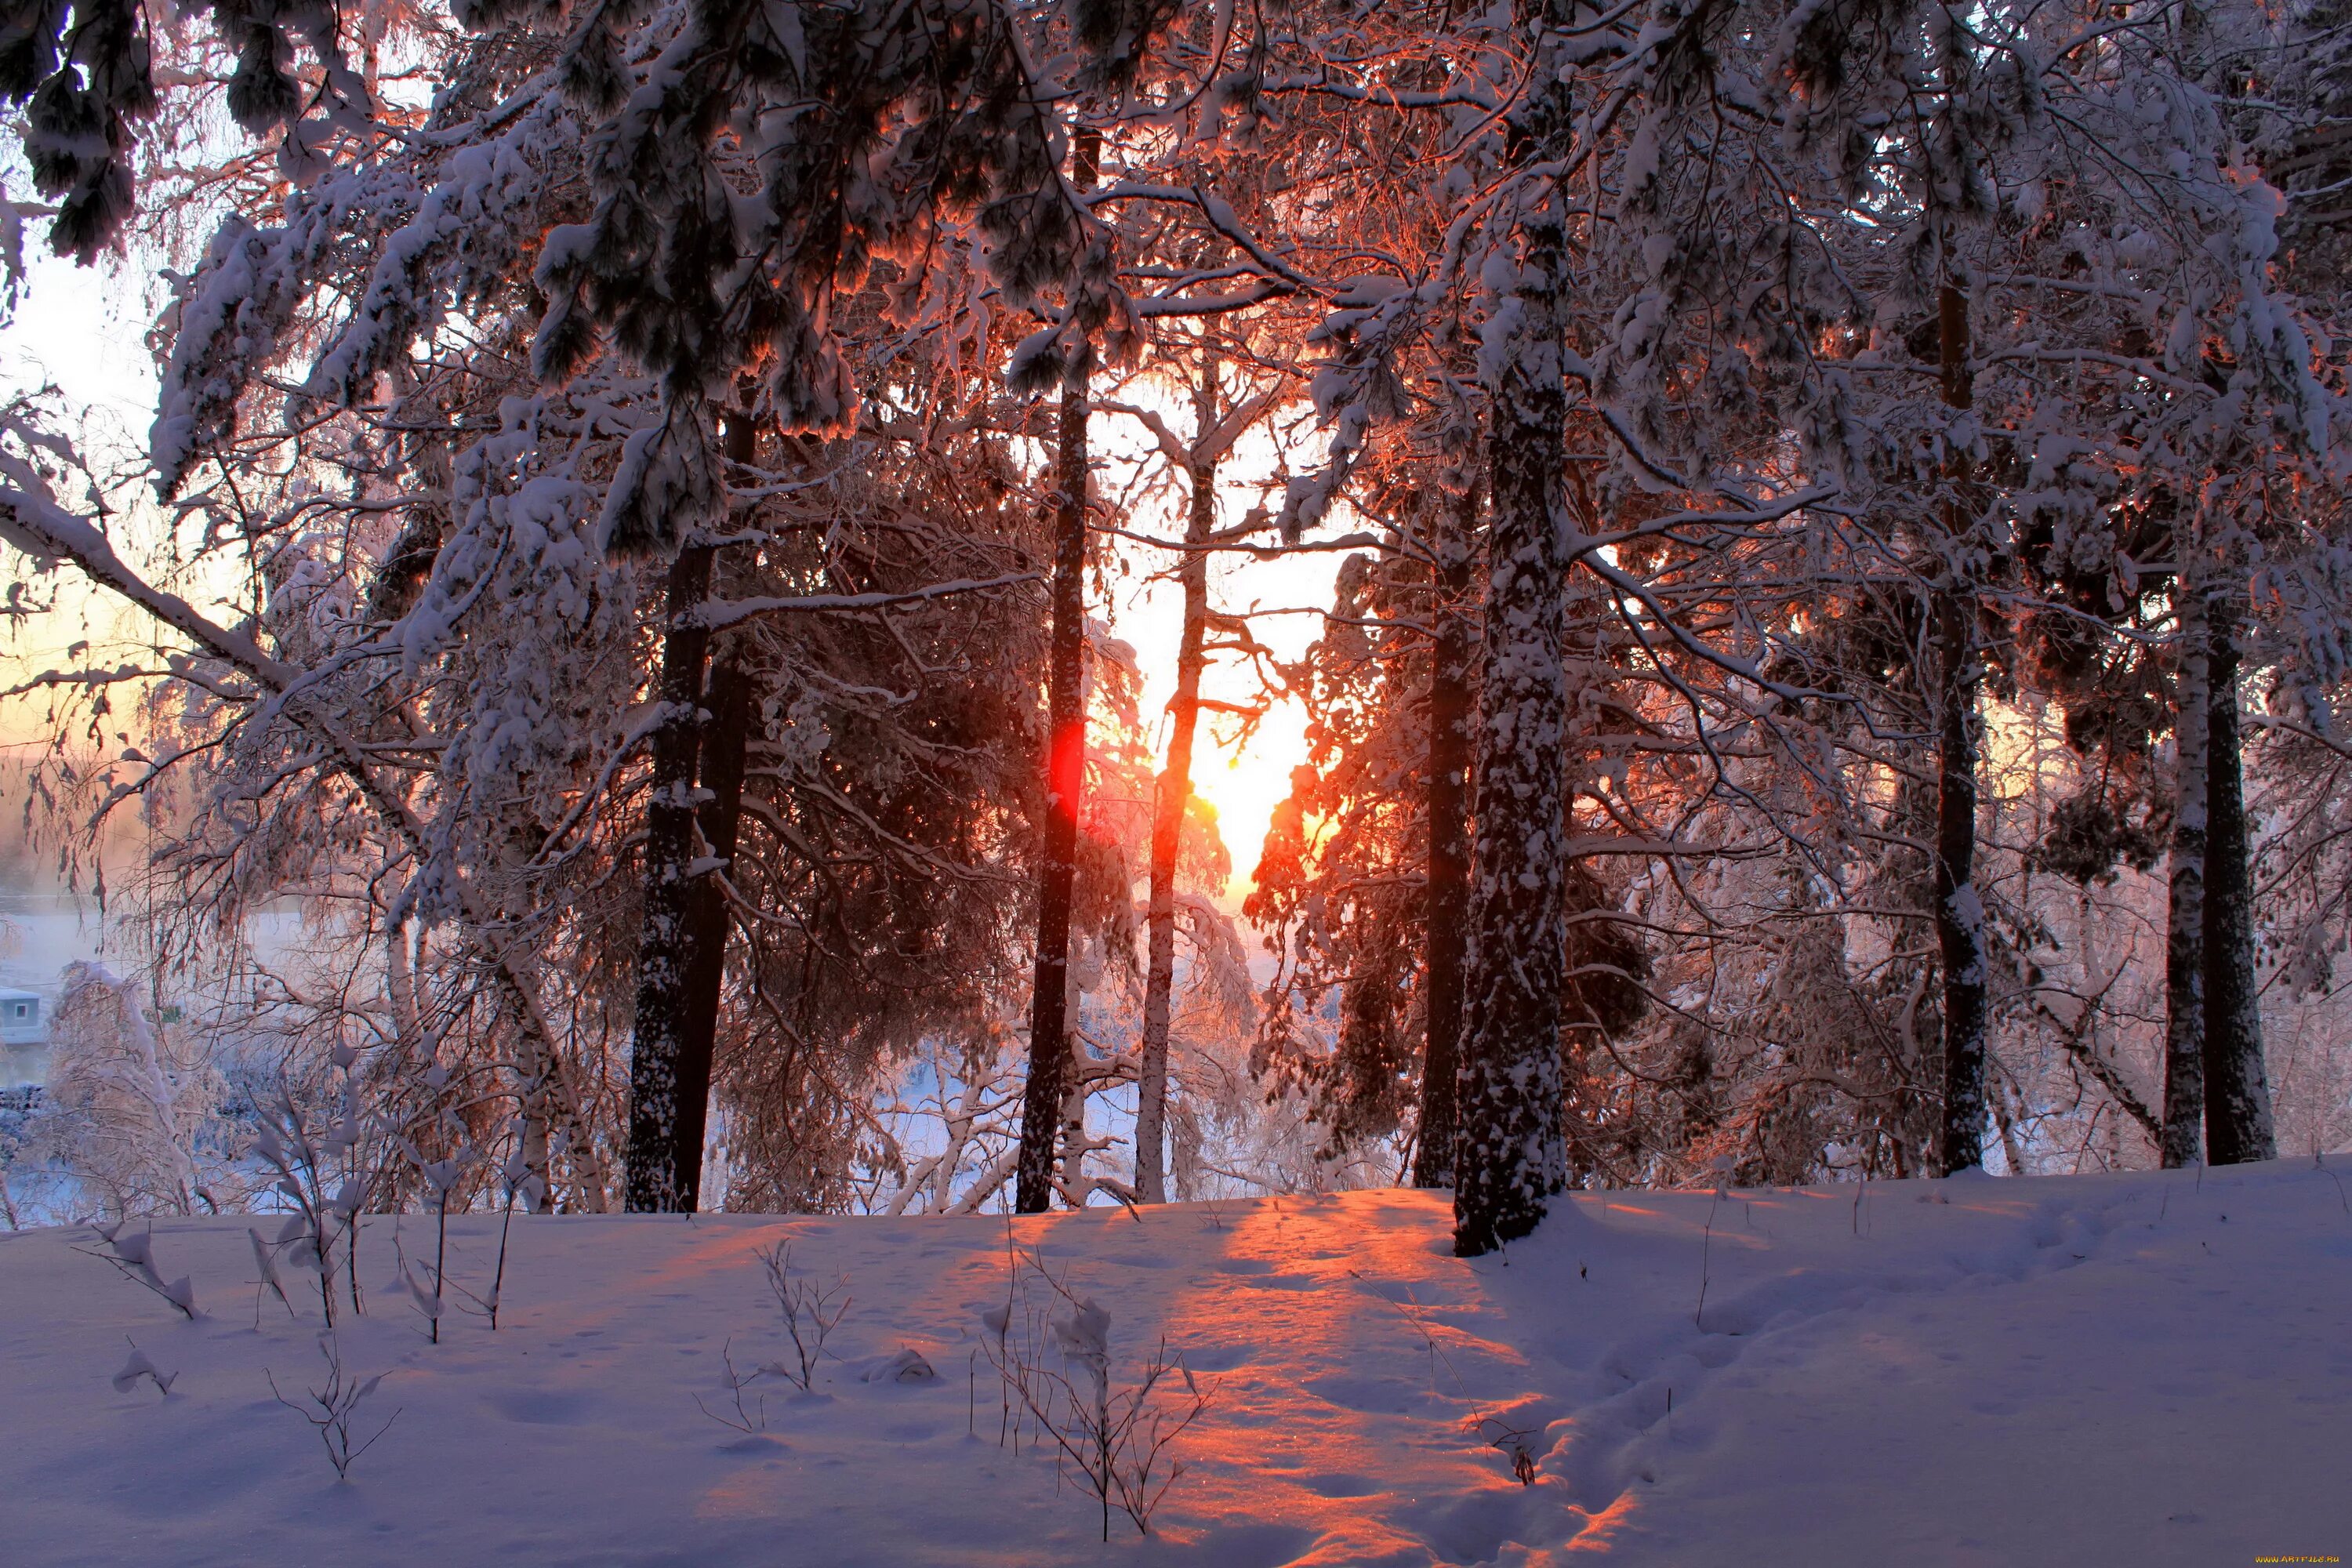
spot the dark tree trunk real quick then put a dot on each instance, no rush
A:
(656, 1184)
(2237, 1087)
(682, 949)
(1042, 1096)
(1447, 910)
(1174, 794)
(1960, 938)
(2184, 945)
(1511, 1154)
(725, 738)
(725, 743)
(1960, 909)
(1049, 1043)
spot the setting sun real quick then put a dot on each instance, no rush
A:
(1244, 775)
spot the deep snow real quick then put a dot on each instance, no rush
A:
(2123, 1370)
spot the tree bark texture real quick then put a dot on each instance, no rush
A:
(1041, 1094)
(2238, 1126)
(1447, 910)
(1511, 1154)
(1049, 1045)
(725, 744)
(656, 1185)
(2184, 945)
(727, 705)
(1960, 908)
(534, 1068)
(1175, 793)
(698, 789)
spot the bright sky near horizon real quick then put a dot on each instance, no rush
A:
(83, 331)
(1244, 778)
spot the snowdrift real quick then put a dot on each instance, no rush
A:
(2136, 1370)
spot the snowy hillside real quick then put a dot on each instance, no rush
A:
(2134, 1370)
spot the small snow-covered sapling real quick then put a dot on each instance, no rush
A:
(440, 1175)
(330, 1408)
(269, 1280)
(810, 1312)
(139, 1366)
(307, 1160)
(133, 1256)
(520, 1182)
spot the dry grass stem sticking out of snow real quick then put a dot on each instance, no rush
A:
(2320, 1165)
(810, 1312)
(750, 1419)
(1120, 1443)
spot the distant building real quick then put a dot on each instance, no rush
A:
(23, 1040)
(24, 1021)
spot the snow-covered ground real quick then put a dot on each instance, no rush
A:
(2136, 1370)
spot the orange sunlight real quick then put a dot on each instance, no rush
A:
(1242, 776)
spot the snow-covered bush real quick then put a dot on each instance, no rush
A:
(133, 1107)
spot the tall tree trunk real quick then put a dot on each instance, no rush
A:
(682, 948)
(656, 1185)
(1511, 1154)
(1066, 772)
(534, 1069)
(2237, 1088)
(1174, 795)
(549, 1093)
(707, 922)
(726, 725)
(537, 1073)
(1959, 910)
(2184, 945)
(1447, 910)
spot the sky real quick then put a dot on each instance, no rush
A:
(81, 331)
(1244, 778)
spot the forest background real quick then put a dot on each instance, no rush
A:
(1832, 512)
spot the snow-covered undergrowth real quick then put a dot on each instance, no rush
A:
(2103, 1370)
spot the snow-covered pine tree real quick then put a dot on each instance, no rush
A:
(84, 73)
(1510, 1153)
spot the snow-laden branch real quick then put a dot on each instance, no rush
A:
(45, 531)
(719, 614)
